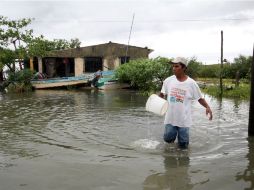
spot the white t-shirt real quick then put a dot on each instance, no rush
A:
(180, 96)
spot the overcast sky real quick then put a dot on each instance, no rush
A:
(170, 27)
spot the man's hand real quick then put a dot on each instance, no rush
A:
(208, 109)
(209, 112)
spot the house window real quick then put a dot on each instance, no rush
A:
(93, 64)
(124, 59)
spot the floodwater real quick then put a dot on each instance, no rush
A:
(61, 140)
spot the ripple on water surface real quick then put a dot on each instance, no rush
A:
(113, 121)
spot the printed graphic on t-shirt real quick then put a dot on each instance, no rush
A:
(177, 95)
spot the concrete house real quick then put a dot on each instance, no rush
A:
(89, 59)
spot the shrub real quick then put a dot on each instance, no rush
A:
(146, 75)
(20, 81)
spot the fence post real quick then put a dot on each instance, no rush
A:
(221, 64)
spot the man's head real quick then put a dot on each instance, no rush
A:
(180, 60)
(179, 65)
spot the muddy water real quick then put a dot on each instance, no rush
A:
(106, 140)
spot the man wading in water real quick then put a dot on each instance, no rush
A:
(180, 90)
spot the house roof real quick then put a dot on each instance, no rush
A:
(106, 49)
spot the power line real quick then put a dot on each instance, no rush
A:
(148, 21)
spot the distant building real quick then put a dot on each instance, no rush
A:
(77, 61)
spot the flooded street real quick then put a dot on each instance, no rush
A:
(79, 140)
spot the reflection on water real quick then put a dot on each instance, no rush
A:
(175, 176)
(106, 140)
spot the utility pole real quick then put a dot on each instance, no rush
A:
(126, 54)
(221, 64)
(251, 110)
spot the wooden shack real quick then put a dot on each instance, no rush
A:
(89, 59)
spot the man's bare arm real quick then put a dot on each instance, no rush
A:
(203, 102)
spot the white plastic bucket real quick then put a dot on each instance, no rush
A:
(156, 105)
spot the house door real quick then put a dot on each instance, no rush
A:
(93, 64)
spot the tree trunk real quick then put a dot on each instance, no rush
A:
(20, 62)
(14, 66)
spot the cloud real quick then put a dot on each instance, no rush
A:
(186, 27)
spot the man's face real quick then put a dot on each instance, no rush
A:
(177, 68)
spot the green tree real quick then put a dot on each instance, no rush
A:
(145, 74)
(148, 74)
(209, 71)
(75, 43)
(59, 44)
(7, 58)
(15, 33)
(39, 46)
(243, 65)
(193, 69)
(18, 43)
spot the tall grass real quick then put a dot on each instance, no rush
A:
(240, 92)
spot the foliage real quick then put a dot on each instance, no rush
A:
(241, 92)
(243, 65)
(74, 43)
(209, 71)
(14, 33)
(145, 74)
(161, 70)
(20, 80)
(7, 58)
(17, 43)
(193, 69)
(39, 46)
(149, 74)
(59, 44)
(240, 66)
